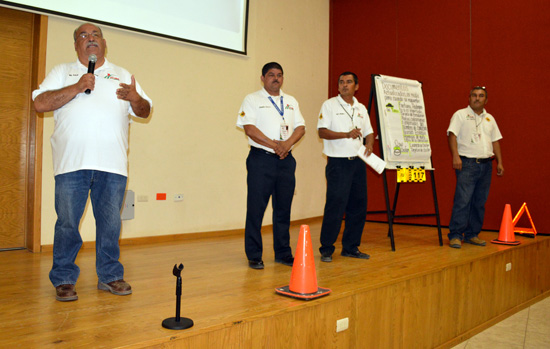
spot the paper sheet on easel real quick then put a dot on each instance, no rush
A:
(372, 160)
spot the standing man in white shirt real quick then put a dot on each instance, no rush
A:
(273, 123)
(473, 137)
(90, 156)
(343, 124)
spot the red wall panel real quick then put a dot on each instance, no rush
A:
(510, 50)
(451, 46)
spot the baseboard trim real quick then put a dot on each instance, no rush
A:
(182, 237)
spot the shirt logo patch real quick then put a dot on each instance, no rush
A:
(488, 119)
(289, 107)
(320, 116)
(111, 77)
(470, 117)
(242, 114)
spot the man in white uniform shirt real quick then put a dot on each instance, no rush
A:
(90, 149)
(473, 137)
(343, 124)
(273, 123)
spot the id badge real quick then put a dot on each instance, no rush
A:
(476, 137)
(285, 131)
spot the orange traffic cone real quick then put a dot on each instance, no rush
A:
(303, 280)
(506, 235)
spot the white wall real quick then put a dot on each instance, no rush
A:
(190, 144)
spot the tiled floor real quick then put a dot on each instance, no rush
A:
(529, 328)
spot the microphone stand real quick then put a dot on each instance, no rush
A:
(177, 322)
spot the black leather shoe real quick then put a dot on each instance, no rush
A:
(288, 260)
(326, 258)
(256, 263)
(356, 254)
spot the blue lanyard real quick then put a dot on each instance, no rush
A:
(282, 110)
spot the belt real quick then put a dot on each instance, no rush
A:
(344, 158)
(479, 160)
(263, 151)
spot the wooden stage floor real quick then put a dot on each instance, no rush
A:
(221, 292)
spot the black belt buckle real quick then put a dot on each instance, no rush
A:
(352, 157)
(263, 151)
(483, 161)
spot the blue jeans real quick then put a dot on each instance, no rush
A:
(71, 194)
(472, 189)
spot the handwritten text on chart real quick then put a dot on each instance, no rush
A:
(401, 100)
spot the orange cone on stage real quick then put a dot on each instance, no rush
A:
(506, 235)
(303, 280)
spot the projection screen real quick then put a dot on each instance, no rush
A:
(220, 24)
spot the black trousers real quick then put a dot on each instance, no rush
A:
(268, 176)
(346, 193)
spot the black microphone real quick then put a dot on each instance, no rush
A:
(91, 66)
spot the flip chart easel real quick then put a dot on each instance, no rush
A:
(404, 140)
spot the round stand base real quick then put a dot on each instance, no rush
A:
(172, 324)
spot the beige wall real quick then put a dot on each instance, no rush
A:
(190, 144)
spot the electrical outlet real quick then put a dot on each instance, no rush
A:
(342, 324)
(178, 197)
(508, 266)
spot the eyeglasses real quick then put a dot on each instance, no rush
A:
(94, 35)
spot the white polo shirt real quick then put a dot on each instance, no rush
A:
(91, 130)
(474, 133)
(339, 116)
(257, 109)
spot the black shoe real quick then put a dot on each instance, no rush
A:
(326, 258)
(256, 263)
(356, 254)
(288, 260)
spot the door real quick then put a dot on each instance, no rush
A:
(17, 127)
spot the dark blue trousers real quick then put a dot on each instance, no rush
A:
(268, 176)
(346, 193)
